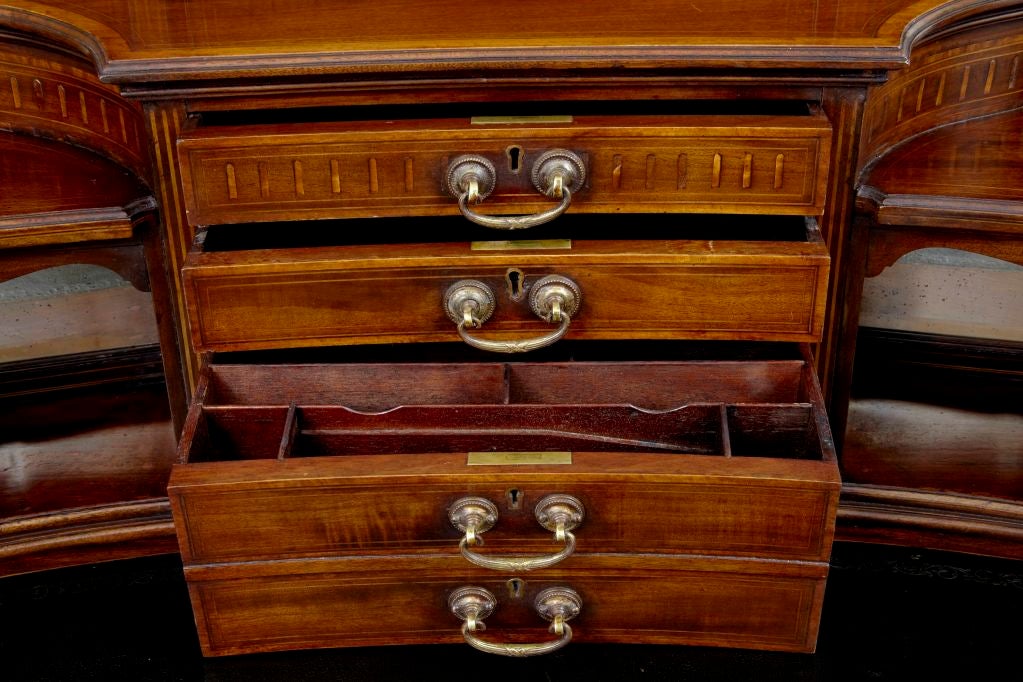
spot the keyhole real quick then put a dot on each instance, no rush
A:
(515, 158)
(515, 278)
(515, 586)
(514, 498)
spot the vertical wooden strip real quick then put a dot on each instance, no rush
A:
(1013, 72)
(779, 171)
(103, 115)
(16, 92)
(651, 170)
(335, 176)
(410, 174)
(85, 109)
(291, 421)
(920, 95)
(683, 171)
(299, 179)
(715, 177)
(264, 180)
(374, 179)
(124, 128)
(990, 77)
(902, 103)
(232, 185)
(62, 96)
(747, 170)
(965, 84)
(616, 172)
(726, 437)
(941, 90)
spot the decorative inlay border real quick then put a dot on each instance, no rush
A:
(45, 95)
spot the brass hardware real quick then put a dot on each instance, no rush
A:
(476, 515)
(517, 458)
(557, 605)
(521, 244)
(469, 302)
(473, 516)
(553, 298)
(517, 120)
(557, 173)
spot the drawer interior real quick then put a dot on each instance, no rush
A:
(760, 408)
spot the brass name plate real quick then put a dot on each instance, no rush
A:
(518, 458)
(524, 244)
(513, 120)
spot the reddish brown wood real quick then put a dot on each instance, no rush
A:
(398, 168)
(697, 601)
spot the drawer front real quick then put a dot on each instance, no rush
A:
(724, 603)
(368, 294)
(721, 164)
(653, 504)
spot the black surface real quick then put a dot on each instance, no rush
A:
(889, 614)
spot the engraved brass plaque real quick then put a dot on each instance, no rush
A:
(518, 458)
(513, 120)
(522, 244)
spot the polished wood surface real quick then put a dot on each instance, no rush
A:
(325, 296)
(697, 163)
(697, 601)
(166, 40)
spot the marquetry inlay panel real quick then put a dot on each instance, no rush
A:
(238, 177)
(47, 94)
(954, 79)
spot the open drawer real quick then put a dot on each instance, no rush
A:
(686, 157)
(704, 473)
(636, 277)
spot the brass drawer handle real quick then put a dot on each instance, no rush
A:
(476, 515)
(555, 604)
(469, 303)
(557, 173)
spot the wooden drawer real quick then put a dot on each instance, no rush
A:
(309, 494)
(762, 288)
(401, 600)
(646, 163)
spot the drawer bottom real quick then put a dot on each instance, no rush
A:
(404, 600)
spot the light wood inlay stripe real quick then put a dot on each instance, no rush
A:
(715, 178)
(616, 172)
(62, 96)
(1014, 72)
(683, 171)
(264, 180)
(651, 170)
(990, 77)
(335, 176)
(103, 115)
(902, 103)
(85, 108)
(779, 171)
(16, 92)
(124, 128)
(941, 90)
(299, 179)
(374, 179)
(747, 170)
(232, 185)
(410, 174)
(920, 95)
(965, 84)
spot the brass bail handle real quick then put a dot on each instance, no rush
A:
(557, 605)
(469, 303)
(476, 515)
(556, 173)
